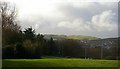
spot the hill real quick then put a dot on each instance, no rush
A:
(76, 37)
(55, 37)
(80, 37)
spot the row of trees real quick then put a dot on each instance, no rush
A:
(74, 48)
(17, 43)
(29, 45)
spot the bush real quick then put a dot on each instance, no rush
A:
(110, 58)
(32, 50)
(20, 51)
(8, 52)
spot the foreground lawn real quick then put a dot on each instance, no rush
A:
(58, 63)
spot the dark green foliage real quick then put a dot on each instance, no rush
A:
(72, 48)
(40, 38)
(110, 58)
(50, 48)
(20, 51)
(38, 52)
(9, 36)
(8, 53)
(29, 33)
(93, 53)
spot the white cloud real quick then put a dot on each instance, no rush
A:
(69, 24)
(100, 23)
(76, 25)
(103, 22)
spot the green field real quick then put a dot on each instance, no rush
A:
(76, 37)
(59, 63)
(80, 37)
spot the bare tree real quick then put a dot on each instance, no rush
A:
(8, 16)
(10, 28)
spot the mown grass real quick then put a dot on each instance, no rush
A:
(59, 63)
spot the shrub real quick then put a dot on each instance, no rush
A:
(8, 52)
(110, 58)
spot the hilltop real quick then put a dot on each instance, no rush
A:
(76, 37)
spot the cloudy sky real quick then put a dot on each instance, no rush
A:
(69, 17)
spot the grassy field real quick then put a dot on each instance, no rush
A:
(59, 63)
(76, 37)
(80, 37)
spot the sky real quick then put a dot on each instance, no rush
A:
(69, 17)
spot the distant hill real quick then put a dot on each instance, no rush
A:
(115, 38)
(80, 37)
(76, 37)
(55, 37)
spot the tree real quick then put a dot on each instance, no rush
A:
(114, 49)
(8, 52)
(40, 41)
(20, 51)
(10, 28)
(72, 48)
(40, 37)
(52, 47)
(29, 33)
(8, 14)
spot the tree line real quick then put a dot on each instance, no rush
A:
(17, 43)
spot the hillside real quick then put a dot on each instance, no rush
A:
(76, 37)
(80, 37)
(56, 37)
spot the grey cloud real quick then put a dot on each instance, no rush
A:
(86, 13)
(71, 13)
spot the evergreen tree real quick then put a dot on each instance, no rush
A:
(29, 33)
